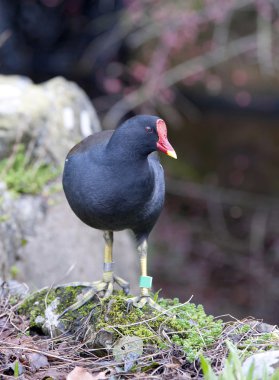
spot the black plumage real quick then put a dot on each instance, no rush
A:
(113, 180)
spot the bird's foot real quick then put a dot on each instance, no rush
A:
(144, 300)
(103, 288)
(145, 284)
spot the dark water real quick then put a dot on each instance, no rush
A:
(217, 238)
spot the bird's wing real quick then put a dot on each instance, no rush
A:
(90, 141)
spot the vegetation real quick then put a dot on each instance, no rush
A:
(192, 330)
(24, 351)
(22, 175)
(233, 369)
(191, 342)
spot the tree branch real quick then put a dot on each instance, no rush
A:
(176, 74)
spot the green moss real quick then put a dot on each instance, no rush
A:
(24, 242)
(192, 330)
(4, 218)
(35, 304)
(23, 176)
(14, 271)
(99, 319)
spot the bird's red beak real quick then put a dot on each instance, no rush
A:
(163, 143)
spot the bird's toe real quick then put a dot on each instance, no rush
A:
(124, 285)
(138, 302)
(109, 290)
(104, 289)
(142, 301)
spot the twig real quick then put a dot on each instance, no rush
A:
(177, 73)
(150, 29)
(264, 40)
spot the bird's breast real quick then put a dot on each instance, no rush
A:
(105, 197)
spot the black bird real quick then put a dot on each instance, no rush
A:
(113, 180)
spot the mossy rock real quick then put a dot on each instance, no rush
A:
(101, 322)
(23, 176)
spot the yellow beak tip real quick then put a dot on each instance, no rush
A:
(172, 154)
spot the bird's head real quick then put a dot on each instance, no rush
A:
(146, 134)
(163, 143)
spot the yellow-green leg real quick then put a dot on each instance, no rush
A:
(108, 276)
(145, 283)
(108, 264)
(107, 282)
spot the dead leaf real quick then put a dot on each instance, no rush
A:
(127, 350)
(79, 373)
(127, 345)
(172, 365)
(5, 334)
(5, 323)
(51, 374)
(100, 376)
(37, 361)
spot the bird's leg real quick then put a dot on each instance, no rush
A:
(106, 284)
(108, 276)
(108, 263)
(145, 283)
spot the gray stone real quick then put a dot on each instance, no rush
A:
(19, 216)
(262, 327)
(64, 249)
(47, 244)
(264, 361)
(50, 117)
(13, 288)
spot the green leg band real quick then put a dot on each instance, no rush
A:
(145, 282)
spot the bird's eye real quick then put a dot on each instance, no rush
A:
(149, 129)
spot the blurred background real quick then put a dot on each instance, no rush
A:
(210, 69)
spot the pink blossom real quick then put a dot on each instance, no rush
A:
(239, 77)
(243, 98)
(112, 85)
(139, 71)
(166, 95)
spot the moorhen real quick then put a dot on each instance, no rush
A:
(113, 180)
